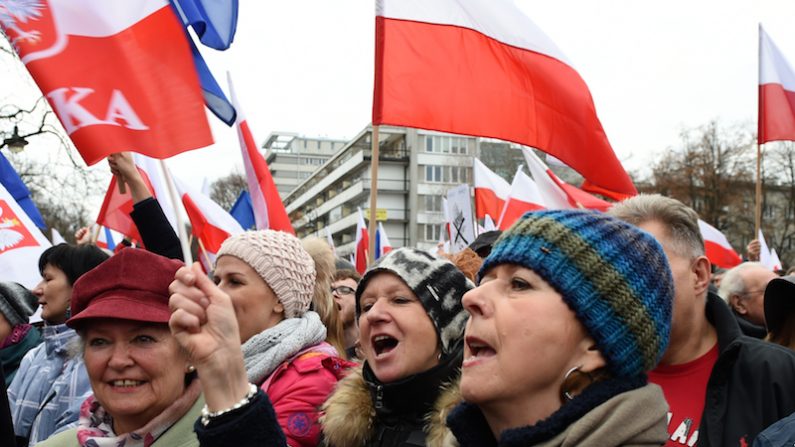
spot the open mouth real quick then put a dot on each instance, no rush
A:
(478, 350)
(383, 344)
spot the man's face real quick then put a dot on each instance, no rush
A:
(751, 303)
(343, 293)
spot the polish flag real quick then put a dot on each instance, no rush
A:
(776, 93)
(21, 243)
(718, 249)
(481, 67)
(56, 237)
(119, 74)
(557, 193)
(525, 196)
(269, 211)
(382, 244)
(116, 207)
(488, 223)
(362, 244)
(491, 191)
(210, 223)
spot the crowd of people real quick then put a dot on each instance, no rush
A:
(571, 328)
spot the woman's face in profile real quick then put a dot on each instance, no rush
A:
(396, 334)
(520, 339)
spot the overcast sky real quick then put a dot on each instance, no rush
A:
(653, 68)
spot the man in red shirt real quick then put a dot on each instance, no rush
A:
(723, 387)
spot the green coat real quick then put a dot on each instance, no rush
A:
(12, 355)
(179, 435)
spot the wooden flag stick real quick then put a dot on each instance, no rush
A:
(758, 210)
(206, 255)
(373, 195)
(183, 235)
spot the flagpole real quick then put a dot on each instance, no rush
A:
(95, 235)
(206, 256)
(373, 194)
(183, 235)
(758, 210)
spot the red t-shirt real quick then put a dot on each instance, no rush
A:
(685, 389)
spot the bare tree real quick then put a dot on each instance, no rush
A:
(225, 190)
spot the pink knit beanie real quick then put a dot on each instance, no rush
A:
(281, 262)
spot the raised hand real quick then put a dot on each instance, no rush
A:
(203, 322)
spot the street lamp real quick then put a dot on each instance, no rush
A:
(15, 143)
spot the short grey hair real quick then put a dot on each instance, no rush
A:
(679, 219)
(733, 282)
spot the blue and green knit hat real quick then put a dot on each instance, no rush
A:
(613, 275)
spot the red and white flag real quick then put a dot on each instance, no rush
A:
(776, 93)
(362, 245)
(765, 255)
(56, 237)
(488, 224)
(21, 243)
(116, 207)
(210, 223)
(481, 67)
(269, 211)
(491, 191)
(718, 249)
(775, 262)
(382, 244)
(119, 74)
(557, 193)
(525, 196)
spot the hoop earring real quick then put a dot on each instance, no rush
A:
(565, 388)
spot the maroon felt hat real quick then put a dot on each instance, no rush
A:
(131, 285)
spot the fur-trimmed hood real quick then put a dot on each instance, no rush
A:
(350, 418)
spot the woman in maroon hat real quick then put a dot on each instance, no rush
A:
(144, 388)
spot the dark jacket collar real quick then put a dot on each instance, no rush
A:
(720, 316)
(413, 397)
(748, 328)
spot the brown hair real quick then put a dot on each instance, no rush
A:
(341, 274)
(467, 261)
(786, 335)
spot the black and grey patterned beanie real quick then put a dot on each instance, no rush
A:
(17, 303)
(437, 283)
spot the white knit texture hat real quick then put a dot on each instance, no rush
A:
(281, 262)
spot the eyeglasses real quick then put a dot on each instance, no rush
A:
(752, 292)
(342, 290)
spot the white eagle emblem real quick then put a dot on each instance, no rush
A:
(9, 237)
(13, 12)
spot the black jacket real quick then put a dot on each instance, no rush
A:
(752, 384)
(157, 233)
(252, 425)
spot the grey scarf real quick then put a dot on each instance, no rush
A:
(265, 351)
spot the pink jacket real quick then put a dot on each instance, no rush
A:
(299, 386)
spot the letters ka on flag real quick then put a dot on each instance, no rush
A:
(118, 73)
(481, 67)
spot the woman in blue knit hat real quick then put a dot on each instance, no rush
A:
(571, 310)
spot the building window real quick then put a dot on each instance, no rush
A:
(432, 232)
(433, 203)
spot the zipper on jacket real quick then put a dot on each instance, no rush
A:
(379, 397)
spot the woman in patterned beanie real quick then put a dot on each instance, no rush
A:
(411, 325)
(571, 310)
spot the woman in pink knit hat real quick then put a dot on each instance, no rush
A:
(271, 280)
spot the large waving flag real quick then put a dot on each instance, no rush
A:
(210, 224)
(10, 179)
(776, 93)
(481, 67)
(718, 249)
(362, 244)
(118, 73)
(491, 190)
(105, 239)
(525, 196)
(269, 210)
(21, 243)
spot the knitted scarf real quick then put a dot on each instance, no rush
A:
(95, 426)
(265, 351)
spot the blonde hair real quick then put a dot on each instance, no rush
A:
(322, 301)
